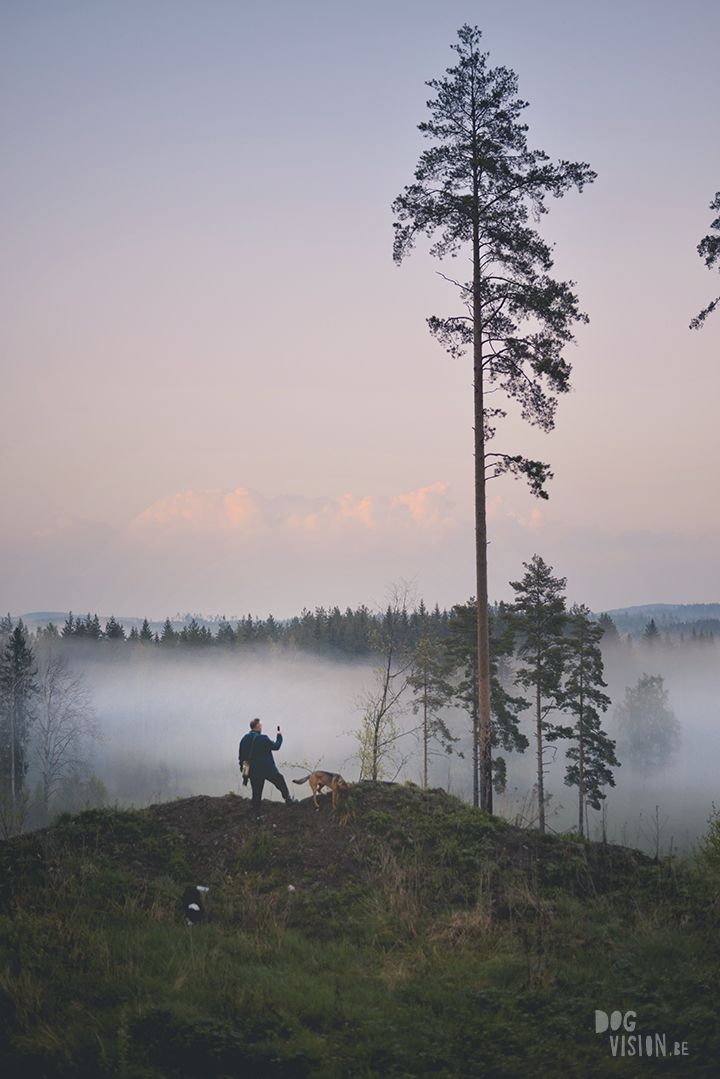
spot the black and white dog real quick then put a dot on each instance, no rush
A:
(192, 904)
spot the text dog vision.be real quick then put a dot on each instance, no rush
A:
(631, 1045)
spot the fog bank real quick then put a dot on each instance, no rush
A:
(172, 722)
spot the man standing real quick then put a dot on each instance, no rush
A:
(257, 749)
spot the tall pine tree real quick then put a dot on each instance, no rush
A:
(478, 186)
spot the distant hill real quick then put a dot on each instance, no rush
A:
(670, 618)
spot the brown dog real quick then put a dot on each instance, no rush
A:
(332, 780)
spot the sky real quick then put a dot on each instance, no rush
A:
(218, 392)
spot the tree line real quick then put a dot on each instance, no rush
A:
(331, 633)
(326, 632)
(652, 636)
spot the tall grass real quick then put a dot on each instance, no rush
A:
(460, 948)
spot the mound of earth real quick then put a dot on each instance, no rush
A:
(325, 847)
(305, 839)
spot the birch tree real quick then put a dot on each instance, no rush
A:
(379, 754)
(65, 727)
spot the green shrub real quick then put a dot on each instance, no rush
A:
(125, 835)
(255, 852)
(377, 822)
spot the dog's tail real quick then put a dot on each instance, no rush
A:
(301, 780)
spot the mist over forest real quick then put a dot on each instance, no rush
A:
(174, 700)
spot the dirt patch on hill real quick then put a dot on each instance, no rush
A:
(307, 842)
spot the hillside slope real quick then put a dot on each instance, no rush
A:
(405, 934)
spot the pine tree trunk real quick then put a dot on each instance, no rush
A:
(581, 776)
(12, 745)
(484, 716)
(425, 739)
(476, 761)
(541, 783)
(581, 759)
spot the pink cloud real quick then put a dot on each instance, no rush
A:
(245, 512)
(234, 551)
(430, 505)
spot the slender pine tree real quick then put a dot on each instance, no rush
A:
(478, 186)
(593, 755)
(431, 691)
(538, 617)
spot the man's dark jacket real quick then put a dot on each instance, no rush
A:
(258, 749)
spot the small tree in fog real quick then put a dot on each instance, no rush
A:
(194, 634)
(75, 794)
(225, 635)
(14, 799)
(15, 812)
(593, 754)
(610, 634)
(428, 680)
(169, 635)
(649, 731)
(65, 727)
(47, 635)
(708, 854)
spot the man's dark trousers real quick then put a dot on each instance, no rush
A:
(257, 788)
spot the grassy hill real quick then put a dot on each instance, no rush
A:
(405, 934)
